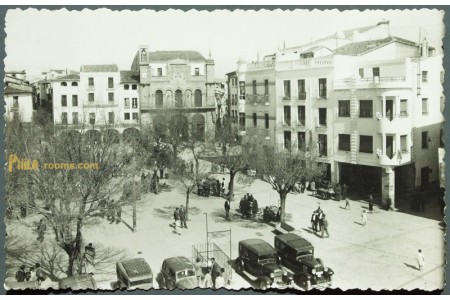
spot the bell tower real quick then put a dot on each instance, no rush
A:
(144, 67)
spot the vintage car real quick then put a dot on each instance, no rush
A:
(258, 260)
(134, 274)
(177, 272)
(78, 282)
(297, 255)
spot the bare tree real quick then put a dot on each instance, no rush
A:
(284, 168)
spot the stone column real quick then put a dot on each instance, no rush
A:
(335, 172)
(388, 187)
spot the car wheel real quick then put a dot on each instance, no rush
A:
(262, 285)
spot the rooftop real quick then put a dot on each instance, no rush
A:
(259, 246)
(294, 241)
(70, 77)
(99, 68)
(12, 90)
(179, 263)
(129, 76)
(359, 48)
(178, 54)
(136, 267)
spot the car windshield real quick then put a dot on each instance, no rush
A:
(185, 273)
(267, 258)
(142, 281)
(304, 254)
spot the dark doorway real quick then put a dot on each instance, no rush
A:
(360, 179)
(390, 146)
(424, 177)
(389, 109)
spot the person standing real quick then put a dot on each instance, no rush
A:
(89, 256)
(207, 281)
(183, 217)
(364, 217)
(176, 217)
(370, 203)
(420, 260)
(325, 226)
(347, 203)
(21, 274)
(314, 221)
(313, 187)
(344, 191)
(227, 209)
(215, 271)
(220, 280)
(255, 209)
(218, 188)
(223, 187)
(198, 271)
(40, 276)
(321, 217)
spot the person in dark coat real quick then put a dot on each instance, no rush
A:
(370, 203)
(176, 218)
(215, 271)
(21, 274)
(217, 188)
(321, 217)
(344, 191)
(227, 209)
(314, 221)
(206, 188)
(254, 208)
(183, 217)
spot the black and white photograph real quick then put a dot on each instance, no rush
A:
(289, 150)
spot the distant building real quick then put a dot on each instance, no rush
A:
(18, 97)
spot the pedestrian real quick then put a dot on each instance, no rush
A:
(176, 217)
(325, 226)
(227, 207)
(21, 274)
(89, 256)
(314, 221)
(161, 173)
(420, 260)
(222, 190)
(207, 281)
(217, 188)
(40, 276)
(364, 217)
(344, 191)
(215, 271)
(207, 188)
(220, 281)
(321, 216)
(347, 203)
(313, 187)
(183, 217)
(302, 187)
(255, 209)
(41, 228)
(198, 271)
(32, 275)
(338, 191)
(370, 203)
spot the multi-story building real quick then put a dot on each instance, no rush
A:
(180, 81)
(18, 97)
(370, 105)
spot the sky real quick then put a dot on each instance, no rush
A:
(39, 40)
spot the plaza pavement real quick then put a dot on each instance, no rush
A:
(379, 256)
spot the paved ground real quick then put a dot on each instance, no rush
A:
(379, 256)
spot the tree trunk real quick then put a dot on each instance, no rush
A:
(283, 206)
(188, 192)
(231, 189)
(73, 249)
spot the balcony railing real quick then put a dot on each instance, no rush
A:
(261, 65)
(305, 63)
(255, 99)
(378, 79)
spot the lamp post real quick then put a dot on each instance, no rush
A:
(207, 242)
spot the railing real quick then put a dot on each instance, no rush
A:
(261, 65)
(378, 79)
(304, 63)
(254, 99)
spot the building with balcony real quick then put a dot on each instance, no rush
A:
(174, 81)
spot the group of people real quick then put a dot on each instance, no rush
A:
(319, 222)
(88, 266)
(180, 215)
(150, 183)
(214, 277)
(206, 186)
(111, 209)
(249, 206)
(30, 273)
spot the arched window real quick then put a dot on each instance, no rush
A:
(178, 98)
(198, 98)
(63, 83)
(74, 83)
(159, 99)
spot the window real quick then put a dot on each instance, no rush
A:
(159, 99)
(344, 142)
(135, 116)
(74, 83)
(63, 100)
(403, 143)
(322, 117)
(255, 120)
(344, 108)
(287, 115)
(126, 116)
(425, 140)
(126, 87)
(365, 109)
(134, 103)
(110, 82)
(127, 103)
(63, 83)
(266, 87)
(322, 145)
(15, 101)
(301, 141)
(287, 89)
(197, 71)
(242, 121)
(323, 88)
(301, 89)
(254, 87)
(366, 143)
(74, 100)
(376, 72)
(403, 107)
(390, 146)
(178, 98)
(134, 87)
(242, 90)
(159, 72)
(75, 118)
(91, 81)
(91, 97)
(287, 140)
(424, 106)
(111, 117)
(64, 118)
(266, 119)
(361, 73)
(198, 98)
(301, 115)
(92, 118)
(424, 76)
(110, 96)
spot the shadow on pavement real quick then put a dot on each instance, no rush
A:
(411, 266)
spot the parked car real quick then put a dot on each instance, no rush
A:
(297, 255)
(259, 259)
(177, 272)
(133, 274)
(78, 282)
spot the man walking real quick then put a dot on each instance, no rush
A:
(215, 271)
(364, 217)
(227, 209)
(183, 217)
(420, 260)
(370, 203)
(325, 226)
(176, 217)
(314, 221)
